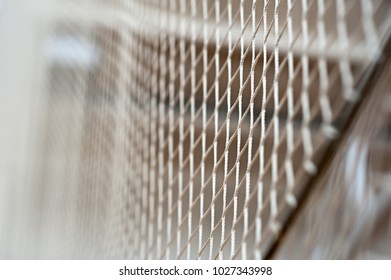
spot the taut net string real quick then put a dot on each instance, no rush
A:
(237, 99)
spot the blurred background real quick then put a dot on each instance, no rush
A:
(195, 129)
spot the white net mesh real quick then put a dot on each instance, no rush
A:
(187, 129)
